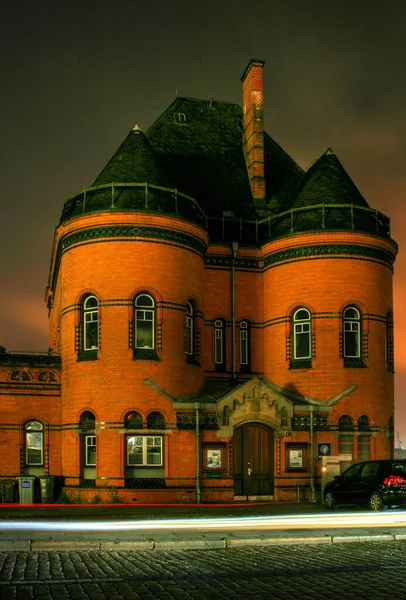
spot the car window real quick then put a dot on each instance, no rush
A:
(370, 470)
(399, 468)
(352, 472)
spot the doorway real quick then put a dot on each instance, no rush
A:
(253, 462)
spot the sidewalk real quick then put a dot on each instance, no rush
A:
(104, 527)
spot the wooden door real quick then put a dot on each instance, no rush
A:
(253, 460)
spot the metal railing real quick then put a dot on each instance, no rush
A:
(160, 199)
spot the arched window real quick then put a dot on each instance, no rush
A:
(144, 322)
(245, 350)
(351, 333)
(301, 334)
(20, 376)
(34, 443)
(226, 416)
(133, 421)
(155, 420)
(219, 344)
(189, 329)
(90, 315)
(363, 423)
(346, 440)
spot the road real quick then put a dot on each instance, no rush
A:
(353, 571)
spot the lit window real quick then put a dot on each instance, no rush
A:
(144, 322)
(144, 451)
(34, 443)
(90, 450)
(90, 323)
(351, 332)
(189, 329)
(301, 334)
(219, 342)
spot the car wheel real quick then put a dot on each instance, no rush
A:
(375, 501)
(329, 500)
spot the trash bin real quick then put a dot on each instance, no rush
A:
(47, 485)
(26, 489)
(7, 491)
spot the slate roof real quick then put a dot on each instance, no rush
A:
(195, 147)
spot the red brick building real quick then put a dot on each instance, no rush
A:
(218, 320)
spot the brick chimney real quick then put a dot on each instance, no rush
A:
(253, 124)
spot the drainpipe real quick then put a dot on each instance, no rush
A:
(234, 247)
(312, 490)
(198, 494)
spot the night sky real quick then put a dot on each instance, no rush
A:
(77, 76)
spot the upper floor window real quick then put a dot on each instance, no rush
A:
(144, 322)
(20, 376)
(133, 421)
(219, 345)
(189, 329)
(155, 420)
(244, 345)
(226, 416)
(90, 323)
(34, 443)
(351, 333)
(301, 334)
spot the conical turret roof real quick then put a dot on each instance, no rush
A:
(133, 162)
(326, 181)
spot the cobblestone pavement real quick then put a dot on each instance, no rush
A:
(350, 571)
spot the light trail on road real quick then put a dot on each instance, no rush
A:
(314, 521)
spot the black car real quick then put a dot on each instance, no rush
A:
(376, 483)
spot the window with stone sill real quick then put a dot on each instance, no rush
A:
(88, 333)
(34, 443)
(352, 338)
(144, 328)
(245, 346)
(301, 352)
(144, 451)
(219, 345)
(190, 338)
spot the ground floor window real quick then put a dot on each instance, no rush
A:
(90, 450)
(144, 450)
(34, 443)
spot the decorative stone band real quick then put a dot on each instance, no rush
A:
(129, 233)
(330, 251)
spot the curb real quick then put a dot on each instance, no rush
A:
(30, 545)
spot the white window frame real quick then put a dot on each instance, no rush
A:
(140, 311)
(34, 432)
(90, 442)
(218, 342)
(189, 329)
(244, 343)
(145, 442)
(90, 317)
(352, 325)
(301, 327)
